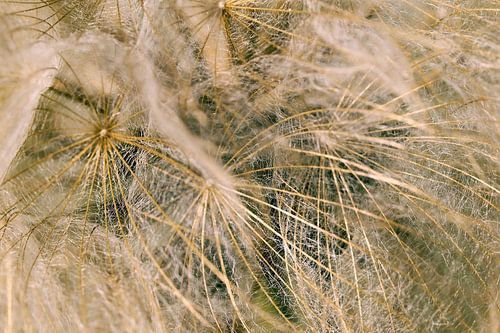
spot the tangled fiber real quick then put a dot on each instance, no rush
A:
(249, 166)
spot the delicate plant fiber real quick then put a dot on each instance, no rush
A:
(249, 166)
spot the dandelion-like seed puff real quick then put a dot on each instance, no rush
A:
(249, 166)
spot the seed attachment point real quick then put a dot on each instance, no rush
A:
(103, 133)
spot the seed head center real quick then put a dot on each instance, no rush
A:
(103, 133)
